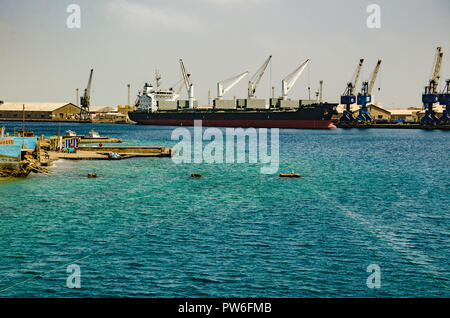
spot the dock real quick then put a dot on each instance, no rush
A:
(103, 153)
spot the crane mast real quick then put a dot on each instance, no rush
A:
(291, 79)
(430, 95)
(85, 100)
(188, 84)
(254, 81)
(231, 82)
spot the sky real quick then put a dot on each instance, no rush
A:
(42, 60)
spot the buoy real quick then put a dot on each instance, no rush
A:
(196, 175)
(290, 175)
(92, 175)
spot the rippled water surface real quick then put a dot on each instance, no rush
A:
(144, 228)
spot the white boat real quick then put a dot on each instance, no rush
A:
(94, 134)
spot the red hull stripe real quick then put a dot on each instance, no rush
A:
(305, 124)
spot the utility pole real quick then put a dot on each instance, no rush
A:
(77, 100)
(128, 94)
(209, 97)
(273, 91)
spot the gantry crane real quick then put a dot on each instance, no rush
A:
(229, 84)
(444, 100)
(365, 96)
(349, 98)
(289, 81)
(254, 81)
(188, 84)
(85, 101)
(430, 95)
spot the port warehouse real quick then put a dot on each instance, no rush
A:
(57, 111)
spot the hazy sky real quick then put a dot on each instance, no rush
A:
(125, 40)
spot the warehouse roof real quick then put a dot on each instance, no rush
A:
(45, 107)
(402, 111)
(102, 109)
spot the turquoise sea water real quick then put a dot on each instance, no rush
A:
(144, 228)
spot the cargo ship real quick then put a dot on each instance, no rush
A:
(155, 106)
(159, 107)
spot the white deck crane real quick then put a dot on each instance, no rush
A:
(365, 96)
(188, 84)
(85, 100)
(256, 78)
(430, 95)
(289, 81)
(230, 83)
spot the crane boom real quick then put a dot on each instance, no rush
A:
(290, 80)
(231, 82)
(188, 84)
(374, 77)
(256, 78)
(436, 70)
(85, 100)
(356, 76)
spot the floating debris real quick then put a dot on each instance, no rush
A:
(92, 175)
(196, 175)
(290, 175)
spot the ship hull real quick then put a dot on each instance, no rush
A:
(311, 117)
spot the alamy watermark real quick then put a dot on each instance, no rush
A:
(374, 19)
(74, 19)
(374, 279)
(190, 148)
(74, 279)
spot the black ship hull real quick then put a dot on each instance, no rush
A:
(317, 116)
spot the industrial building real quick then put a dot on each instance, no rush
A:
(38, 111)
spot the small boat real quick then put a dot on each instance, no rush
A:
(70, 133)
(290, 175)
(94, 134)
(196, 175)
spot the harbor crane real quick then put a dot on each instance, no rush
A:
(85, 101)
(349, 98)
(430, 95)
(188, 84)
(254, 81)
(289, 81)
(444, 100)
(230, 83)
(365, 97)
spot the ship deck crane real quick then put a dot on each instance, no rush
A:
(430, 95)
(349, 98)
(289, 81)
(85, 101)
(256, 78)
(188, 84)
(230, 83)
(365, 96)
(444, 100)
